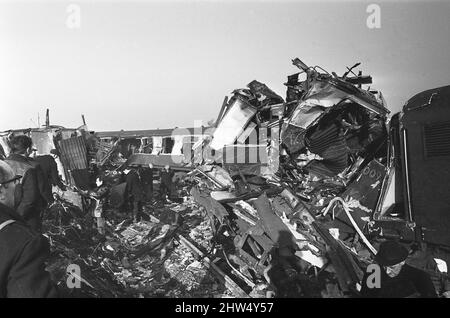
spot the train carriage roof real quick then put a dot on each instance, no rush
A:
(425, 98)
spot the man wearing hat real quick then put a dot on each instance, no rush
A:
(23, 251)
(393, 278)
(28, 196)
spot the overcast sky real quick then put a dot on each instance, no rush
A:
(150, 64)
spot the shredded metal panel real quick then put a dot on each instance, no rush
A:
(74, 153)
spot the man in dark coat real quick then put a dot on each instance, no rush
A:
(28, 198)
(50, 172)
(147, 180)
(135, 191)
(396, 278)
(23, 251)
(166, 182)
(45, 189)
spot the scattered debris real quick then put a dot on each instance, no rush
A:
(277, 202)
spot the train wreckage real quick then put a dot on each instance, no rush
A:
(282, 197)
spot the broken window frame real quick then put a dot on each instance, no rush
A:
(396, 140)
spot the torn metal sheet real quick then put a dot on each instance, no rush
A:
(361, 197)
(176, 162)
(255, 249)
(212, 206)
(309, 257)
(219, 174)
(233, 123)
(273, 225)
(222, 195)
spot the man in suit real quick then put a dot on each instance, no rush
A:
(23, 251)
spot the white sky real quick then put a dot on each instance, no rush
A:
(150, 64)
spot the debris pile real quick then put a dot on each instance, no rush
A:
(286, 175)
(278, 202)
(144, 259)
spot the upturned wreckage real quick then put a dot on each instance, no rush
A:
(325, 178)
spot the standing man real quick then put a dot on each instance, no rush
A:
(135, 191)
(147, 180)
(166, 182)
(47, 176)
(50, 169)
(397, 279)
(27, 199)
(23, 251)
(45, 188)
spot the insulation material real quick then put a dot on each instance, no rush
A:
(43, 141)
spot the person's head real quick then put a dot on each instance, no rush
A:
(99, 181)
(166, 167)
(8, 181)
(21, 145)
(150, 165)
(392, 256)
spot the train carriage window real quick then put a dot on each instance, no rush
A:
(167, 145)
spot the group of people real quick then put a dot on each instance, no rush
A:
(26, 184)
(139, 186)
(38, 175)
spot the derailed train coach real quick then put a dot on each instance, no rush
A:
(414, 203)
